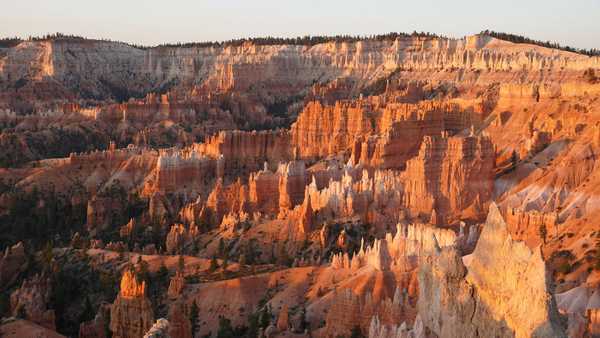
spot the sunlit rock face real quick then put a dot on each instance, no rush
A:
(478, 296)
(131, 314)
(449, 174)
(282, 67)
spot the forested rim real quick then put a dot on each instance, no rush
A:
(306, 40)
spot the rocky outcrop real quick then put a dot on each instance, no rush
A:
(376, 130)
(410, 242)
(450, 175)
(326, 130)
(160, 329)
(103, 212)
(283, 321)
(31, 301)
(292, 181)
(349, 311)
(131, 314)
(224, 200)
(306, 216)
(96, 328)
(525, 225)
(479, 298)
(377, 329)
(247, 151)
(582, 307)
(159, 207)
(12, 263)
(374, 198)
(176, 285)
(179, 238)
(184, 170)
(127, 230)
(264, 191)
(593, 322)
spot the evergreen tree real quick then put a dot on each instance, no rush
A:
(225, 329)
(88, 311)
(162, 275)
(514, 159)
(597, 264)
(250, 253)
(142, 270)
(225, 262)
(181, 263)
(214, 265)
(47, 256)
(283, 257)
(221, 247)
(543, 232)
(4, 304)
(356, 332)
(253, 325)
(265, 317)
(303, 322)
(242, 260)
(21, 312)
(194, 317)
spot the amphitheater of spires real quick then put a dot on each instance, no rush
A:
(414, 186)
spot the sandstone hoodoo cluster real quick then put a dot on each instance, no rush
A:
(406, 186)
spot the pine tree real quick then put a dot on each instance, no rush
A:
(225, 329)
(221, 247)
(242, 260)
(142, 270)
(181, 264)
(283, 257)
(597, 264)
(162, 275)
(225, 262)
(253, 325)
(47, 256)
(88, 311)
(514, 159)
(303, 322)
(265, 317)
(194, 317)
(356, 332)
(21, 312)
(543, 232)
(214, 265)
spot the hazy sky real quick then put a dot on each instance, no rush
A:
(571, 22)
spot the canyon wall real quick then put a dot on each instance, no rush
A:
(79, 67)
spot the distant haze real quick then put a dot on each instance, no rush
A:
(575, 23)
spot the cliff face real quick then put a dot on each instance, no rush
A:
(79, 66)
(478, 298)
(449, 174)
(183, 171)
(247, 150)
(378, 130)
